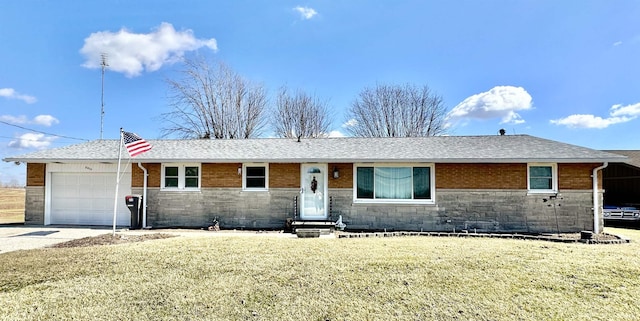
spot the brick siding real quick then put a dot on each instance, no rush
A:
(281, 175)
(481, 176)
(509, 176)
(221, 175)
(36, 174)
(284, 175)
(577, 176)
(137, 175)
(346, 175)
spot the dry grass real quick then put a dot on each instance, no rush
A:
(411, 278)
(12, 205)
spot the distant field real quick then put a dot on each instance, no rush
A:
(11, 205)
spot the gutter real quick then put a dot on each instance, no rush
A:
(144, 196)
(267, 159)
(596, 200)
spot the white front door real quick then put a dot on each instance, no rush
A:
(314, 200)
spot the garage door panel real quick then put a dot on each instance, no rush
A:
(87, 198)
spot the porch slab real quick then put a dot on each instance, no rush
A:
(325, 227)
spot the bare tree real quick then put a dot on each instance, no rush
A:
(300, 115)
(396, 111)
(213, 101)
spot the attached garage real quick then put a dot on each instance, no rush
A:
(83, 194)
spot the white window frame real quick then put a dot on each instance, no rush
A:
(554, 178)
(432, 184)
(266, 177)
(181, 177)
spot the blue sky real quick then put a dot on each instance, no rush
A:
(562, 70)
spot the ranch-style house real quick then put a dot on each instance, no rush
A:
(509, 183)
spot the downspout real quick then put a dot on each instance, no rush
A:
(144, 196)
(596, 199)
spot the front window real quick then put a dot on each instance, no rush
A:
(171, 176)
(394, 183)
(181, 176)
(191, 176)
(255, 177)
(542, 178)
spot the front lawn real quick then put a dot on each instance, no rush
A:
(261, 278)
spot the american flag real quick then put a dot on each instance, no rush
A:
(135, 144)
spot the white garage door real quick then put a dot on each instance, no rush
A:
(87, 198)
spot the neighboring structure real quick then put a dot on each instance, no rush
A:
(622, 180)
(514, 183)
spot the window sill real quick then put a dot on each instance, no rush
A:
(395, 202)
(255, 189)
(183, 190)
(541, 191)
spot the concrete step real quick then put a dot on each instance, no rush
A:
(312, 227)
(307, 232)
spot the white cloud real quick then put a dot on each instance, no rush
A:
(629, 110)
(588, 121)
(306, 13)
(617, 43)
(10, 93)
(131, 53)
(617, 114)
(350, 123)
(336, 133)
(32, 140)
(17, 120)
(499, 102)
(43, 120)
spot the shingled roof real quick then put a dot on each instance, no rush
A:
(452, 149)
(633, 156)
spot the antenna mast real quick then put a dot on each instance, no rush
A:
(103, 64)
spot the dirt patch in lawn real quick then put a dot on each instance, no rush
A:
(109, 239)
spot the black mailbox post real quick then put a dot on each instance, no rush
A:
(134, 203)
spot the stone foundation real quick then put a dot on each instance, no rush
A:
(455, 210)
(479, 211)
(234, 208)
(34, 205)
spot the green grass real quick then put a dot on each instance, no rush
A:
(410, 278)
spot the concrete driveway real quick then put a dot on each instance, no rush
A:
(14, 238)
(18, 237)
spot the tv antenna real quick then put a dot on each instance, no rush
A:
(103, 64)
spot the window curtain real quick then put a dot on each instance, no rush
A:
(393, 182)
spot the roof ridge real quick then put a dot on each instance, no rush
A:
(326, 138)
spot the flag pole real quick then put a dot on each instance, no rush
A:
(115, 201)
